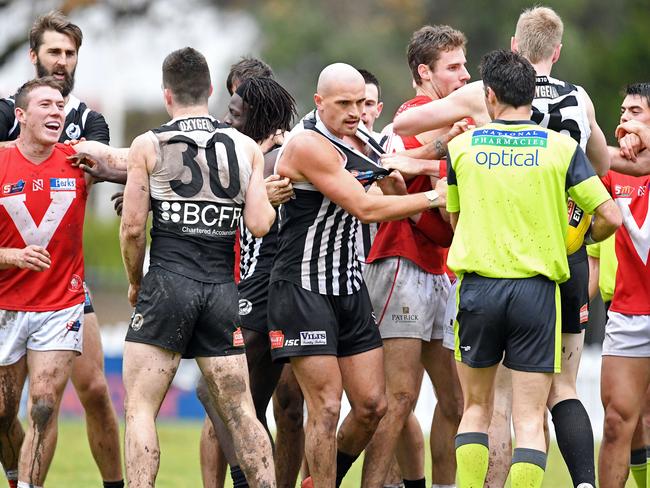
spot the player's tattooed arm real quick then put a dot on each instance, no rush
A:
(424, 160)
(135, 211)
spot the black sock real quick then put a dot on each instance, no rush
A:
(421, 483)
(238, 478)
(114, 484)
(575, 440)
(343, 463)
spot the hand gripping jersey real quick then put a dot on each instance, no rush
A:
(198, 186)
(44, 205)
(632, 291)
(420, 243)
(80, 122)
(317, 238)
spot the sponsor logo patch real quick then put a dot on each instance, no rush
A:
(73, 325)
(37, 185)
(237, 338)
(245, 306)
(313, 338)
(584, 313)
(63, 184)
(623, 191)
(76, 283)
(136, 321)
(73, 131)
(277, 339)
(13, 188)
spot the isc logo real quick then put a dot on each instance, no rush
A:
(208, 215)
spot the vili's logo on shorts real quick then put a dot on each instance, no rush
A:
(136, 321)
(245, 306)
(313, 338)
(466, 348)
(276, 337)
(237, 338)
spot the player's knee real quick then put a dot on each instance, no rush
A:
(401, 403)
(94, 393)
(616, 424)
(451, 408)
(326, 415)
(289, 416)
(42, 411)
(371, 409)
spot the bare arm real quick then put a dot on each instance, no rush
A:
(607, 218)
(258, 212)
(309, 157)
(594, 275)
(34, 258)
(464, 102)
(597, 144)
(101, 162)
(618, 163)
(135, 211)
(453, 219)
(635, 127)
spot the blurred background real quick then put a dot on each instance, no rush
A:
(605, 48)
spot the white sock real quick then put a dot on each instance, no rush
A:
(24, 484)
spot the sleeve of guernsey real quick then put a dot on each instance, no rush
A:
(6, 119)
(583, 185)
(453, 202)
(96, 128)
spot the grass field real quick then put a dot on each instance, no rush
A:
(73, 466)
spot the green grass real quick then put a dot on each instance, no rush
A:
(73, 466)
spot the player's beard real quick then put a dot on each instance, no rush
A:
(67, 84)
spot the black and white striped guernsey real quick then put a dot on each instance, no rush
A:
(257, 253)
(198, 186)
(317, 238)
(559, 106)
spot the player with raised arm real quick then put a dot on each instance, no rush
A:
(408, 285)
(565, 108)
(625, 374)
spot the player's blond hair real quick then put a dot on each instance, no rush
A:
(539, 31)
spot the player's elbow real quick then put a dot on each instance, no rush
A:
(610, 216)
(366, 213)
(260, 225)
(401, 126)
